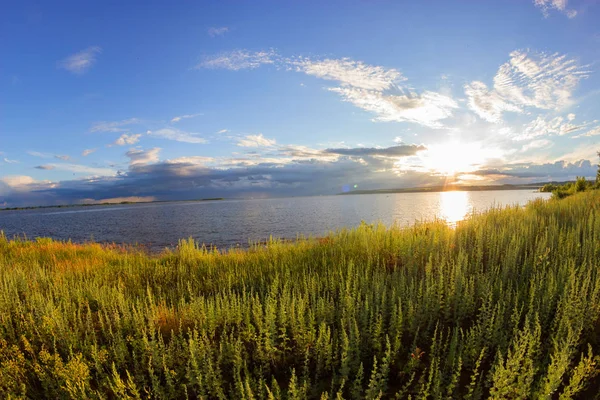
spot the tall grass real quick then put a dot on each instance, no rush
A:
(507, 305)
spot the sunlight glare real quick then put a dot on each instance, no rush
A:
(452, 158)
(449, 159)
(454, 206)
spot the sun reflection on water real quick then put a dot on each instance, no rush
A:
(454, 206)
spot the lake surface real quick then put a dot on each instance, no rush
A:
(231, 222)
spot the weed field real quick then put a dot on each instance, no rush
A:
(505, 305)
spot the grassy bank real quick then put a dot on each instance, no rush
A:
(507, 304)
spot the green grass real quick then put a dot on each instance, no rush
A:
(506, 305)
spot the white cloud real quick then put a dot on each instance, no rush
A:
(593, 132)
(486, 103)
(350, 73)
(212, 32)
(370, 87)
(539, 80)
(80, 169)
(559, 5)
(62, 157)
(6, 160)
(222, 131)
(87, 152)
(537, 144)
(39, 154)
(426, 109)
(177, 135)
(79, 63)
(298, 152)
(375, 89)
(142, 157)
(238, 59)
(195, 160)
(527, 80)
(546, 127)
(583, 152)
(125, 139)
(180, 117)
(17, 181)
(256, 141)
(115, 126)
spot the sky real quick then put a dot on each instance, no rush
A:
(136, 101)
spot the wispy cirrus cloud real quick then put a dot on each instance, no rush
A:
(350, 73)
(177, 135)
(180, 117)
(79, 169)
(39, 154)
(558, 5)
(427, 108)
(87, 152)
(79, 63)
(126, 139)
(114, 126)
(256, 141)
(378, 90)
(238, 59)
(372, 88)
(537, 144)
(9, 161)
(592, 132)
(528, 80)
(217, 31)
(46, 167)
(487, 103)
(543, 126)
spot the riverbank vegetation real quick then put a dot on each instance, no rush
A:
(506, 304)
(560, 191)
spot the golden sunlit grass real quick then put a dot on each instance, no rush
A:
(504, 305)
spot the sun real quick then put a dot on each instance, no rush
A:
(455, 158)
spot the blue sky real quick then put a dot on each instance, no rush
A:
(180, 100)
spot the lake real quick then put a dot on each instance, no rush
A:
(231, 222)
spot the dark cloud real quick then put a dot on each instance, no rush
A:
(394, 151)
(191, 179)
(46, 167)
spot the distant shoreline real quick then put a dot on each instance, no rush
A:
(108, 204)
(434, 189)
